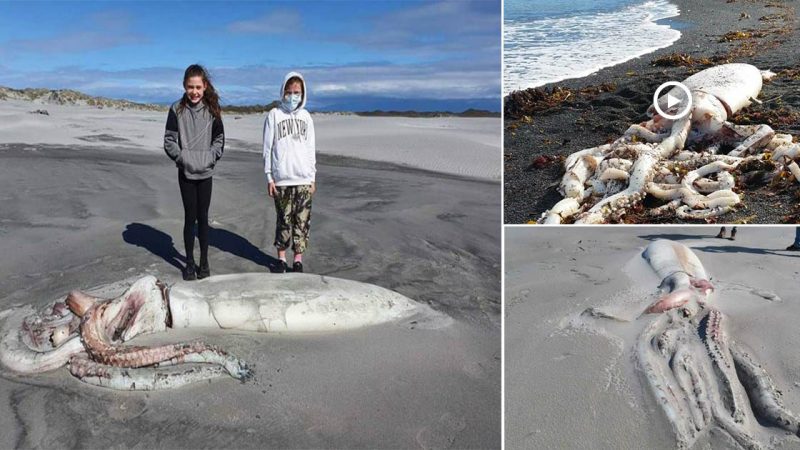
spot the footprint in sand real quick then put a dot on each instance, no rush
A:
(125, 408)
(475, 370)
(441, 434)
(766, 295)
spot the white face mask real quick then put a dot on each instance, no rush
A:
(292, 100)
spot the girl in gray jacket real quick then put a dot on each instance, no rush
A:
(194, 139)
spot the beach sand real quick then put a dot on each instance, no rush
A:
(88, 204)
(589, 121)
(467, 147)
(571, 382)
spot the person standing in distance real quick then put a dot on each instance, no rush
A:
(290, 163)
(194, 139)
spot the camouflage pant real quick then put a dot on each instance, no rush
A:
(293, 205)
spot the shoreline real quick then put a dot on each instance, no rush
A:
(622, 59)
(618, 96)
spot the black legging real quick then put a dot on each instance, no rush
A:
(196, 195)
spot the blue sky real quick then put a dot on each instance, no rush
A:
(354, 54)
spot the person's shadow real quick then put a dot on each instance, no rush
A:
(161, 244)
(234, 244)
(156, 241)
(677, 236)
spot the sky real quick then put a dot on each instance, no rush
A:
(355, 55)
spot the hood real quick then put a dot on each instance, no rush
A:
(283, 88)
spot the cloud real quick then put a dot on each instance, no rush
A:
(276, 22)
(446, 26)
(444, 16)
(445, 80)
(99, 31)
(450, 51)
(78, 41)
(111, 20)
(424, 29)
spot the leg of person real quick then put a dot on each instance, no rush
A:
(189, 197)
(203, 203)
(283, 230)
(733, 234)
(301, 225)
(721, 233)
(796, 244)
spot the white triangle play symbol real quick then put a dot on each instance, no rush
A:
(680, 96)
(672, 101)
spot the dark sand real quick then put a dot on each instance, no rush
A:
(84, 217)
(589, 122)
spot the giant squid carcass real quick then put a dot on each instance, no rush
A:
(89, 334)
(603, 183)
(701, 377)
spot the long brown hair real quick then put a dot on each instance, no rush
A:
(210, 96)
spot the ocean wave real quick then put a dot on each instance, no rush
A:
(544, 51)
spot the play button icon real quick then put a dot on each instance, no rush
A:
(676, 103)
(672, 101)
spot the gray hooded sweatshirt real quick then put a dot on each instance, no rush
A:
(194, 139)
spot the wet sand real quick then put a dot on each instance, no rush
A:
(86, 216)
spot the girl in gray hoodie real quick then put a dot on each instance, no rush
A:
(194, 139)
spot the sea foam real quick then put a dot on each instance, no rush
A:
(545, 50)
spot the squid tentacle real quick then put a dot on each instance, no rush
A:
(139, 379)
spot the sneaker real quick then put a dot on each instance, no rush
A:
(204, 271)
(721, 234)
(297, 267)
(281, 266)
(190, 272)
(793, 248)
(733, 235)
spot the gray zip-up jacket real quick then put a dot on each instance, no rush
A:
(194, 139)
